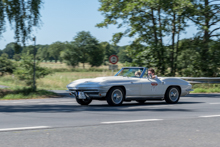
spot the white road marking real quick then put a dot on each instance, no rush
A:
(130, 121)
(147, 106)
(28, 102)
(214, 103)
(18, 102)
(211, 116)
(24, 128)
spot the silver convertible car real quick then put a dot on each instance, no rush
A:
(127, 86)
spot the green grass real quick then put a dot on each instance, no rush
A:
(24, 93)
(206, 88)
(56, 81)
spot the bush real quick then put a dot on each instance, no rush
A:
(25, 70)
(6, 65)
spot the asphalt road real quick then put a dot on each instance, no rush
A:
(194, 121)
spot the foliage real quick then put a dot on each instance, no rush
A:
(71, 55)
(190, 59)
(152, 22)
(29, 50)
(123, 56)
(11, 49)
(55, 50)
(96, 55)
(85, 48)
(87, 45)
(43, 53)
(205, 15)
(25, 70)
(108, 51)
(149, 22)
(17, 57)
(23, 15)
(6, 65)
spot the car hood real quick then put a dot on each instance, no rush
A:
(100, 81)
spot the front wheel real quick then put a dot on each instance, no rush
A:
(172, 95)
(115, 96)
(83, 101)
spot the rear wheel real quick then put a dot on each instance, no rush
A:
(172, 95)
(115, 96)
(83, 101)
(141, 101)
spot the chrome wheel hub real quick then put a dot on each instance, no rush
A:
(117, 96)
(174, 94)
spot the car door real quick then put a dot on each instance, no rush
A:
(133, 87)
(151, 87)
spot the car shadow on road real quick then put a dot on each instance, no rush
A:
(62, 108)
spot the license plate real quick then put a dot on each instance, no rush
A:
(81, 95)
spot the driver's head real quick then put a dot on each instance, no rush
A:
(151, 71)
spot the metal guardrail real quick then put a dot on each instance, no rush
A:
(199, 80)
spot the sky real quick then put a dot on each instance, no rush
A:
(62, 20)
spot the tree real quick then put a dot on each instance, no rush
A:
(28, 50)
(148, 21)
(6, 65)
(71, 54)
(43, 52)
(11, 49)
(88, 48)
(23, 15)
(205, 15)
(25, 70)
(96, 55)
(55, 49)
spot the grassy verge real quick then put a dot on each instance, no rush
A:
(56, 81)
(206, 88)
(25, 93)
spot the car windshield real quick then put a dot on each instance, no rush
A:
(130, 72)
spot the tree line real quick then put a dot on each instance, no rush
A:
(84, 48)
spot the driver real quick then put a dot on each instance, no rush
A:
(151, 73)
(138, 73)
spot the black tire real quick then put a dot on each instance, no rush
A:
(115, 96)
(141, 101)
(83, 101)
(172, 95)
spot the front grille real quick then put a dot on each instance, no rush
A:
(81, 89)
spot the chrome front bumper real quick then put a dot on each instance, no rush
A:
(89, 93)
